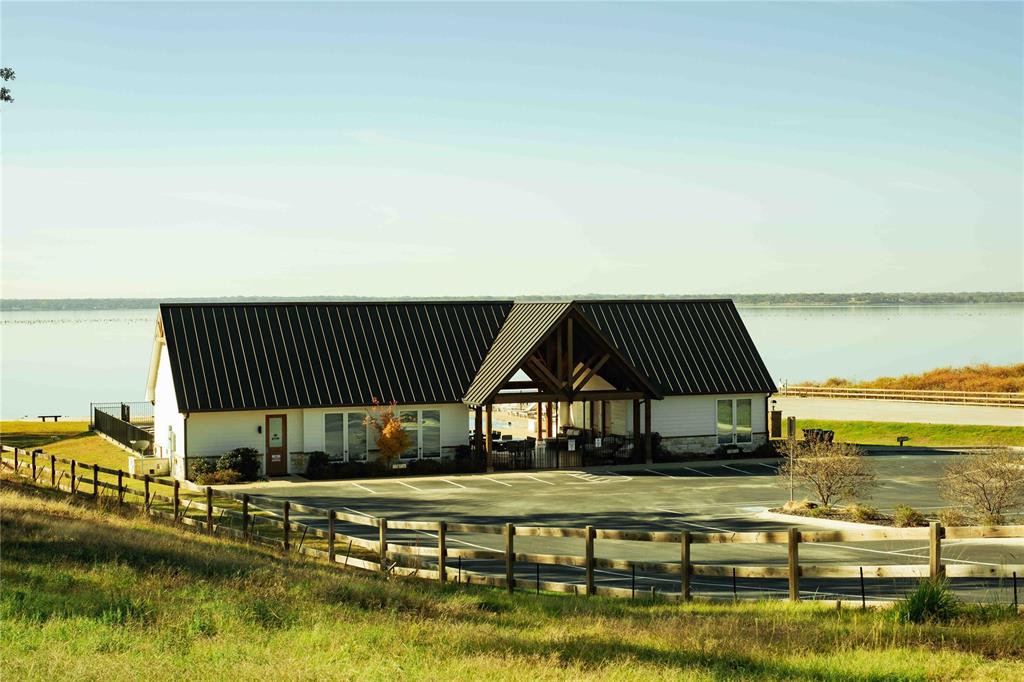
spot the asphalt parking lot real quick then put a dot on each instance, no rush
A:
(722, 496)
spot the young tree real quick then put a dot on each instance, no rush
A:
(6, 74)
(990, 484)
(832, 471)
(392, 438)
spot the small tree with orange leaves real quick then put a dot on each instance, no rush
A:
(392, 438)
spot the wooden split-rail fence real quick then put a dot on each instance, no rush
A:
(986, 398)
(239, 514)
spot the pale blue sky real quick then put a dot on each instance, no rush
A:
(194, 149)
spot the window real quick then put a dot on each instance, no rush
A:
(733, 418)
(345, 436)
(334, 435)
(424, 429)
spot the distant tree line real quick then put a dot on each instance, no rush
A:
(858, 299)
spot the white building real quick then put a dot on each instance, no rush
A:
(292, 378)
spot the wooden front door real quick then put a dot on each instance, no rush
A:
(277, 444)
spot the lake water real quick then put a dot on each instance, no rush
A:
(59, 362)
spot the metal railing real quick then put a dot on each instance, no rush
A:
(123, 432)
(988, 398)
(563, 452)
(139, 412)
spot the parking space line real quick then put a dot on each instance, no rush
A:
(766, 466)
(419, 490)
(356, 511)
(726, 466)
(698, 471)
(492, 480)
(372, 492)
(453, 483)
(660, 473)
(541, 480)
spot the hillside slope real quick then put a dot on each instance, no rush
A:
(97, 595)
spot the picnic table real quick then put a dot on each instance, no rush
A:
(44, 417)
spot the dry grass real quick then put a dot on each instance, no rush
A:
(983, 377)
(98, 595)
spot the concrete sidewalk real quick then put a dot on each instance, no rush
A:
(896, 411)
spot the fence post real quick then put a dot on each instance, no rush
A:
(177, 499)
(330, 536)
(684, 564)
(53, 471)
(145, 480)
(510, 556)
(120, 487)
(442, 551)
(935, 533)
(33, 466)
(245, 517)
(589, 530)
(382, 539)
(794, 564)
(72, 477)
(209, 510)
(16, 463)
(95, 481)
(287, 524)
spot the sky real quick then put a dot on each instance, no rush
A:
(427, 149)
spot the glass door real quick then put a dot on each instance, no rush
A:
(355, 437)
(430, 433)
(411, 423)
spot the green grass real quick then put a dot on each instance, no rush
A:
(100, 595)
(885, 433)
(28, 434)
(72, 440)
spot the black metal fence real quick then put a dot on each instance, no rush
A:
(563, 452)
(133, 412)
(122, 431)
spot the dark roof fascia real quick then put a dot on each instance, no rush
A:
(269, 304)
(318, 407)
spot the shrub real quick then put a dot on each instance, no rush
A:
(221, 477)
(990, 484)
(905, 516)
(951, 516)
(424, 466)
(863, 513)
(200, 467)
(931, 602)
(317, 464)
(832, 471)
(798, 506)
(990, 519)
(246, 461)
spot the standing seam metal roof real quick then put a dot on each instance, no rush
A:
(281, 355)
(688, 346)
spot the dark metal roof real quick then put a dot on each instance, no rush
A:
(687, 346)
(525, 327)
(280, 355)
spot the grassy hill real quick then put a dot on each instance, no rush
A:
(115, 596)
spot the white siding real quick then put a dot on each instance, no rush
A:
(166, 418)
(695, 415)
(212, 434)
(454, 425)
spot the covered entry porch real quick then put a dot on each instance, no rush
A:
(583, 393)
